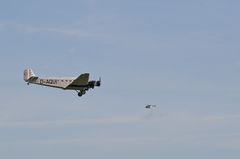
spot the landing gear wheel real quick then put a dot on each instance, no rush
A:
(79, 94)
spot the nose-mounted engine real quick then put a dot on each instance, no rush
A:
(92, 84)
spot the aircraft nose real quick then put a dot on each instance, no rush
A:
(98, 83)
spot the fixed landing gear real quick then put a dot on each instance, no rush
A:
(81, 93)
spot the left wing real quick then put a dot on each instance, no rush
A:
(81, 81)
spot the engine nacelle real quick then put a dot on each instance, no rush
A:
(91, 84)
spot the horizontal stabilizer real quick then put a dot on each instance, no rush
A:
(33, 78)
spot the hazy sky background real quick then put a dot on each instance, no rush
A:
(180, 55)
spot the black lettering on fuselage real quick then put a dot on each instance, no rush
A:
(51, 81)
(48, 81)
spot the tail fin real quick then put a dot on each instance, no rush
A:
(28, 74)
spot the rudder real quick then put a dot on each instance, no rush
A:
(28, 73)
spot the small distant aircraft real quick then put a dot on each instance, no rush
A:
(80, 84)
(149, 106)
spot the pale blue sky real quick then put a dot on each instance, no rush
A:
(180, 55)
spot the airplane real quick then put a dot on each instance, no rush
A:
(149, 106)
(80, 84)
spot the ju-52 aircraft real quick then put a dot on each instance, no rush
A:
(81, 84)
